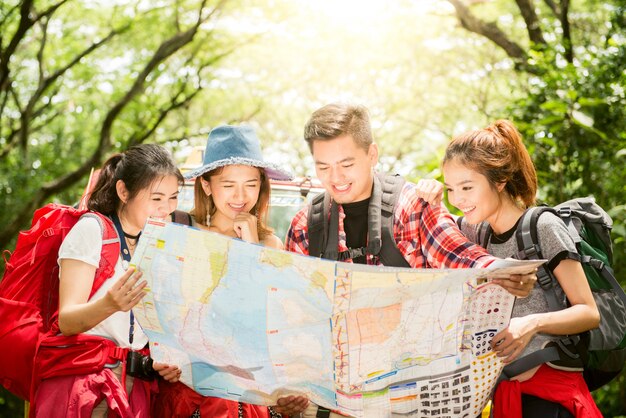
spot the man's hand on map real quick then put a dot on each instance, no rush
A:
(511, 342)
(169, 372)
(291, 405)
(245, 227)
(430, 190)
(519, 285)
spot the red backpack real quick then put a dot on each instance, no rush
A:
(29, 293)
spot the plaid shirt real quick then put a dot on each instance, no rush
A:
(426, 235)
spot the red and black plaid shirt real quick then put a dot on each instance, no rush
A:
(426, 235)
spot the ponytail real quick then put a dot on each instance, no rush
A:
(498, 153)
(104, 198)
(138, 167)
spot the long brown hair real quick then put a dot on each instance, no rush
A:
(498, 153)
(204, 207)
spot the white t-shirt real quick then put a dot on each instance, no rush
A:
(84, 243)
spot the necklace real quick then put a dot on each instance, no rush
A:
(129, 236)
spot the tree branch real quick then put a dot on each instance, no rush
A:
(527, 8)
(139, 138)
(567, 35)
(489, 30)
(553, 6)
(25, 23)
(46, 82)
(164, 51)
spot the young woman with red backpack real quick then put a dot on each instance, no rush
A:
(139, 183)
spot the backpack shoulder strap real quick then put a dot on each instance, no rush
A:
(317, 224)
(391, 188)
(529, 249)
(526, 233)
(323, 243)
(483, 234)
(110, 250)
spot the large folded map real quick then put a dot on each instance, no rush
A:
(249, 323)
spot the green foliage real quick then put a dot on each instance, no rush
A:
(610, 398)
(574, 121)
(10, 406)
(88, 79)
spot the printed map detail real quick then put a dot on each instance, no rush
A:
(253, 324)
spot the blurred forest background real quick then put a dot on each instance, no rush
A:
(81, 79)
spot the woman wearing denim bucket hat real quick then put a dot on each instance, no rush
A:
(232, 193)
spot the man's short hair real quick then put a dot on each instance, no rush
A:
(337, 119)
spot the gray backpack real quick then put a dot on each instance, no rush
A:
(600, 351)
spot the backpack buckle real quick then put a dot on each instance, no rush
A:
(544, 279)
(531, 253)
(597, 264)
(565, 212)
(343, 256)
(351, 254)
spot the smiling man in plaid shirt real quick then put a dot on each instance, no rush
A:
(339, 137)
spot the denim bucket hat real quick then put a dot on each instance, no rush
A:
(229, 145)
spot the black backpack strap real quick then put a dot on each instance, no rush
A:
(390, 190)
(529, 249)
(374, 217)
(483, 234)
(459, 222)
(317, 224)
(322, 243)
(529, 361)
(181, 217)
(331, 235)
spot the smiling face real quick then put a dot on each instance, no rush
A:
(157, 200)
(344, 168)
(471, 193)
(234, 189)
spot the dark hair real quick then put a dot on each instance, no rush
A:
(498, 153)
(138, 167)
(205, 207)
(335, 120)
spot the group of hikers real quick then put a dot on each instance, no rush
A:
(489, 176)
